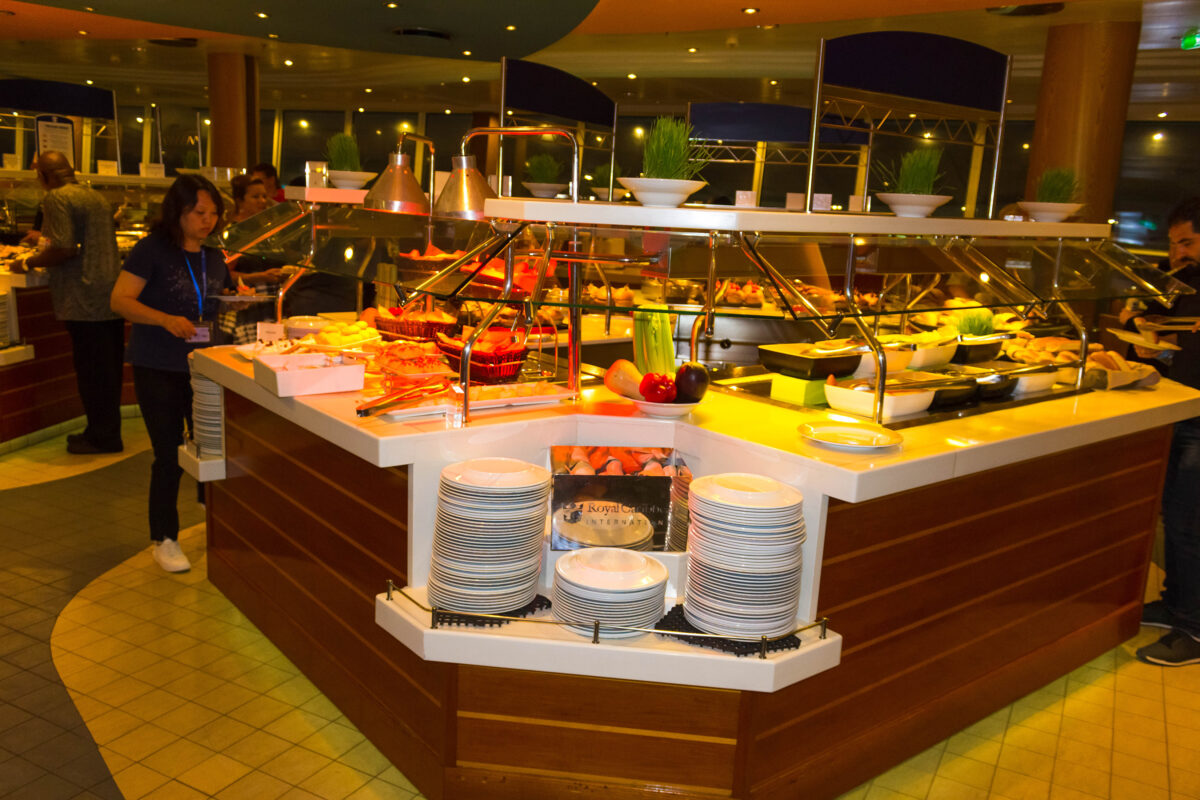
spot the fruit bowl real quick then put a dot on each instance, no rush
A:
(665, 409)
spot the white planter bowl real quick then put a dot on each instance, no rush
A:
(661, 192)
(617, 195)
(347, 179)
(1049, 212)
(913, 205)
(544, 189)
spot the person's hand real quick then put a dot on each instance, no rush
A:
(18, 267)
(273, 275)
(1127, 314)
(31, 237)
(181, 327)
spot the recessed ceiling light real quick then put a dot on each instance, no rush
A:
(639, 132)
(262, 15)
(912, 116)
(631, 75)
(154, 105)
(391, 5)
(1025, 146)
(272, 35)
(361, 109)
(140, 120)
(378, 132)
(466, 79)
(447, 111)
(509, 112)
(87, 8)
(466, 52)
(287, 62)
(88, 81)
(82, 33)
(368, 91)
(749, 10)
(691, 49)
(927, 135)
(1158, 137)
(767, 27)
(774, 83)
(593, 83)
(208, 122)
(1162, 114)
(510, 27)
(404, 126)
(303, 123)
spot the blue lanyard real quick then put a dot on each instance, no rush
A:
(200, 293)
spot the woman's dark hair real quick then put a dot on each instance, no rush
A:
(268, 169)
(240, 184)
(180, 199)
(1186, 211)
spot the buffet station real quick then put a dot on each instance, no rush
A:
(853, 483)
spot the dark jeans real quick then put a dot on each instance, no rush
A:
(1181, 525)
(99, 350)
(165, 398)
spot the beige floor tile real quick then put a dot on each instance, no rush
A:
(260, 747)
(1059, 792)
(322, 707)
(382, 790)
(364, 757)
(175, 790)
(257, 785)
(221, 733)
(142, 741)
(966, 770)
(333, 740)
(294, 765)
(1188, 679)
(1094, 694)
(904, 781)
(1185, 782)
(260, 710)
(163, 672)
(111, 725)
(334, 781)
(1089, 755)
(1183, 717)
(946, 789)
(153, 704)
(1026, 762)
(991, 726)
(296, 691)
(194, 684)
(396, 777)
(263, 678)
(1140, 746)
(1042, 699)
(976, 747)
(1151, 773)
(1082, 731)
(1130, 667)
(1139, 686)
(90, 680)
(225, 697)
(1182, 698)
(1185, 737)
(214, 774)
(186, 718)
(200, 654)
(297, 725)
(1180, 755)
(170, 644)
(1090, 676)
(121, 691)
(177, 757)
(1014, 786)
(296, 793)
(1031, 739)
(1128, 789)
(1088, 712)
(1144, 707)
(1045, 720)
(1141, 725)
(136, 781)
(1082, 778)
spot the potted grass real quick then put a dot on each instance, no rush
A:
(600, 181)
(670, 164)
(911, 185)
(1055, 196)
(541, 172)
(345, 169)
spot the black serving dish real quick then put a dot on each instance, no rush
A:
(799, 361)
(972, 350)
(955, 395)
(991, 385)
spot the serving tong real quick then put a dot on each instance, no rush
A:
(417, 391)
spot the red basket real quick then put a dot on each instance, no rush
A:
(489, 367)
(414, 329)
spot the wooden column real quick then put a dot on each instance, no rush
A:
(233, 108)
(1086, 76)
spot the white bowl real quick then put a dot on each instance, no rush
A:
(854, 401)
(298, 327)
(896, 359)
(1049, 212)
(617, 195)
(544, 189)
(1036, 382)
(348, 179)
(913, 205)
(661, 192)
(936, 356)
(664, 409)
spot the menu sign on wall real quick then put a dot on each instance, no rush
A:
(56, 133)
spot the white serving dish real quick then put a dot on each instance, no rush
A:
(927, 357)
(1036, 381)
(664, 409)
(863, 402)
(306, 373)
(299, 327)
(896, 359)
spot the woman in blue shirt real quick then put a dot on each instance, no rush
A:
(167, 289)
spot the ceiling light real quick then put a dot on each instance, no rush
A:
(303, 123)
(262, 15)
(466, 78)
(639, 132)
(378, 132)
(691, 49)
(509, 112)
(749, 10)
(272, 35)
(593, 83)
(466, 52)
(287, 62)
(391, 5)
(154, 105)
(368, 91)
(88, 81)
(1162, 114)
(361, 109)
(774, 83)
(912, 116)
(85, 8)
(510, 27)
(82, 33)
(927, 135)
(1158, 137)
(447, 111)
(767, 27)
(140, 120)
(404, 126)
(631, 75)
(208, 122)
(1025, 146)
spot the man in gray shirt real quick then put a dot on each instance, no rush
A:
(83, 265)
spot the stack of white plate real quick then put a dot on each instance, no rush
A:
(206, 417)
(743, 555)
(487, 541)
(600, 523)
(612, 586)
(677, 534)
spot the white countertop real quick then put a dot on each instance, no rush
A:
(765, 435)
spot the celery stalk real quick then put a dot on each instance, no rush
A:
(653, 347)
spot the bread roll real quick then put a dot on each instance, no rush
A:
(1103, 360)
(1121, 363)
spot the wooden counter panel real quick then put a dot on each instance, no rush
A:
(579, 751)
(598, 701)
(855, 526)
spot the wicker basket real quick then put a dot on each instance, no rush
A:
(414, 329)
(498, 368)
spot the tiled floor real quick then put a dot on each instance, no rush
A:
(117, 680)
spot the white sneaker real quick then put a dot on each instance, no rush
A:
(168, 556)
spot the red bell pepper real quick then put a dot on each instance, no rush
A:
(656, 388)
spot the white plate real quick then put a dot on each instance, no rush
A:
(500, 473)
(592, 532)
(1142, 341)
(664, 409)
(745, 490)
(850, 437)
(610, 569)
